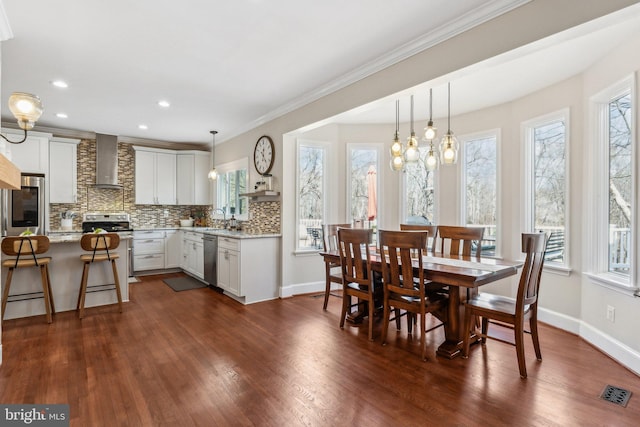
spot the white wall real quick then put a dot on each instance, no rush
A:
(566, 299)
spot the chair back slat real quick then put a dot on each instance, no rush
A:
(403, 248)
(431, 229)
(534, 245)
(330, 236)
(461, 240)
(353, 246)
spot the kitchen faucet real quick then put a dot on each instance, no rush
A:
(224, 216)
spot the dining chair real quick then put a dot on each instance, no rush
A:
(433, 233)
(330, 243)
(508, 311)
(460, 240)
(357, 276)
(25, 249)
(404, 286)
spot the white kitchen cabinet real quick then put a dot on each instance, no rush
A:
(32, 156)
(63, 170)
(193, 254)
(148, 250)
(173, 249)
(192, 183)
(155, 176)
(258, 280)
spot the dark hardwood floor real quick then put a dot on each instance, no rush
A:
(199, 358)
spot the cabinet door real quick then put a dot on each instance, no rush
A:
(185, 179)
(165, 179)
(202, 184)
(234, 273)
(30, 156)
(173, 249)
(223, 268)
(63, 172)
(145, 178)
(199, 262)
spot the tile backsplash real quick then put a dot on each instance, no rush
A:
(265, 216)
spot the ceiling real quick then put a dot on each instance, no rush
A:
(231, 66)
(223, 65)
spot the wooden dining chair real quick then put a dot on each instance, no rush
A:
(508, 311)
(431, 229)
(404, 286)
(461, 240)
(357, 276)
(330, 242)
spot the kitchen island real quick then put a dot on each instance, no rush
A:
(66, 272)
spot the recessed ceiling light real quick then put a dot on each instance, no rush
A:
(143, 127)
(60, 83)
(164, 103)
(61, 115)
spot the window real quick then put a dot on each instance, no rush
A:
(547, 166)
(419, 202)
(362, 169)
(311, 183)
(479, 183)
(231, 182)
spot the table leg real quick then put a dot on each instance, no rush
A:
(454, 326)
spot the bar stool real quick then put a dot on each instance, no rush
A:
(28, 247)
(100, 246)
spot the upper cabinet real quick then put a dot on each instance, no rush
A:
(193, 187)
(32, 156)
(155, 176)
(63, 170)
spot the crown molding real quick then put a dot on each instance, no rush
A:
(488, 11)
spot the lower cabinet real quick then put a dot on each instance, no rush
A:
(193, 254)
(248, 268)
(148, 250)
(173, 249)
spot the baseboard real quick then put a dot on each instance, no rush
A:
(305, 288)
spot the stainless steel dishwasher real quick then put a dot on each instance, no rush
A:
(210, 259)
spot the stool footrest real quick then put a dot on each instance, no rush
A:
(25, 297)
(105, 287)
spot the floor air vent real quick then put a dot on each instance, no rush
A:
(616, 395)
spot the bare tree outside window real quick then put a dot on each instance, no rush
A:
(363, 161)
(310, 195)
(549, 144)
(420, 194)
(620, 184)
(480, 163)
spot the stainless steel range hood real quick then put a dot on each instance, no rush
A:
(107, 161)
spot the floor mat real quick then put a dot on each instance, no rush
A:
(184, 283)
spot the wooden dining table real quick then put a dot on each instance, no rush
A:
(462, 275)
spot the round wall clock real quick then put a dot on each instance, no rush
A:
(263, 155)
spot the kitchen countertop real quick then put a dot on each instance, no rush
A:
(215, 232)
(72, 236)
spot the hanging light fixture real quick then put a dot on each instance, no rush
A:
(412, 153)
(27, 109)
(449, 143)
(213, 174)
(397, 150)
(430, 132)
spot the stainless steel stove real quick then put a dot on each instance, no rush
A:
(118, 222)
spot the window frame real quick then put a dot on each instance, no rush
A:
(326, 147)
(464, 140)
(598, 217)
(528, 193)
(223, 169)
(374, 146)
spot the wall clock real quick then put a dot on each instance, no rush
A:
(263, 155)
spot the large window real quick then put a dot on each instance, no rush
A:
(480, 193)
(547, 168)
(231, 182)
(311, 182)
(419, 202)
(362, 169)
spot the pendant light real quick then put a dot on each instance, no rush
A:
(449, 143)
(213, 174)
(430, 132)
(412, 153)
(397, 150)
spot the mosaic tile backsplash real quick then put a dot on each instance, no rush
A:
(265, 216)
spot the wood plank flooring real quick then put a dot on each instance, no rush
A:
(199, 358)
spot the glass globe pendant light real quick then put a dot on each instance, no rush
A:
(430, 132)
(449, 143)
(397, 150)
(412, 153)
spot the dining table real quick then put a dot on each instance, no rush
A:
(461, 276)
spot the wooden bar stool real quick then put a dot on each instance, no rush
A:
(99, 246)
(25, 249)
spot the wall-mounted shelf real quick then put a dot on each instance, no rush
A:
(264, 195)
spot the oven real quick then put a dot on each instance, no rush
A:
(24, 209)
(118, 222)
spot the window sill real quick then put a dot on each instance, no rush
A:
(612, 282)
(559, 269)
(306, 252)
